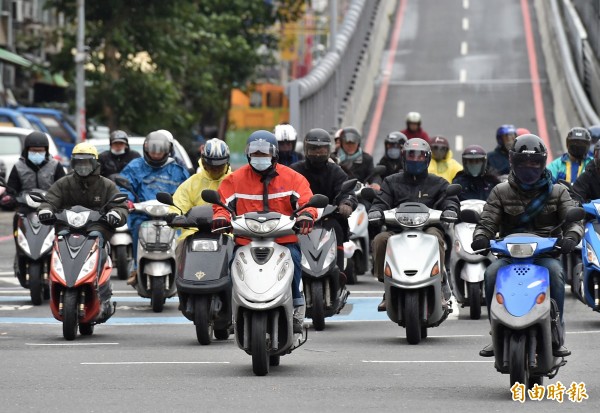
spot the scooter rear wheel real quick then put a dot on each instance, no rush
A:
(260, 353)
(36, 284)
(518, 365)
(122, 262)
(86, 329)
(475, 300)
(157, 299)
(203, 327)
(349, 271)
(412, 317)
(70, 314)
(318, 305)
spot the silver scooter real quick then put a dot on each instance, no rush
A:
(412, 276)
(262, 273)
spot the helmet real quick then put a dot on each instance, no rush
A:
(474, 159)
(578, 142)
(505, 135)
(168, 134)
(285, 133)
(215, 153)
(350, 135)
(157, 143)
(84, 159)
(416, 156)
(439, 148)
(522, 131)
(597, 154)
(317, 147)
(528, 158)
(118, 136)
(413, 117)
(35, 139)
(594, 133)
(394, 142)
(262, 141)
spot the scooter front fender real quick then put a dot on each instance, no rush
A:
(121, 238)
(157, 268)
(473, 272)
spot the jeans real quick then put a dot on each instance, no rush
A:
(298, 298)
(557, 280)
(134, 221)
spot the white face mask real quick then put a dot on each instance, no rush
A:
(260, 163)
(115, 152)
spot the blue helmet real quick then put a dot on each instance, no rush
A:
(594, 133)
(264, 142)
(505, 130)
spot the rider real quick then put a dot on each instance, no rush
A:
(264, 184)
(118, 156)
(394, 141)
(571, 164)
(413, 127)
(588, 184)
(286, 139)
(442, 163)
(476, 183)
(155, 172)
(528, 202)
(85, 187)
(214, 167)
(326, 178)
(356, 163)
(498, 158)
(414, 184)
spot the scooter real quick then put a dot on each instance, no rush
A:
(467, 268)
(412, 276)
(262, 273)
(202, 275)
(572, 262)
(588, 281)
(34, 247)
(121, 248)
(80, 270)
(524, 319)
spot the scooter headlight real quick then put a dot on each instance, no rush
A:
(205, 245)
(262, 227)
(22, 241)
(89, 265)
(156, 210)
(57, 266)
(48, 241)
(331, 256)
(413, 219)
(591, 255)
(521, 250)
(597, 206)
(77, 219)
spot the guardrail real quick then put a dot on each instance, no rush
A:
(326, 97)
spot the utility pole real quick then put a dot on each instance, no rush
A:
(80, 71)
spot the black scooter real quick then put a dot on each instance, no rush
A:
(202, 275)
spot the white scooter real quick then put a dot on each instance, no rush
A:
(467, 268)
(262, 273)
(121, 251)
(412, 276)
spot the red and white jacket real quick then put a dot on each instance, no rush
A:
(282, 190)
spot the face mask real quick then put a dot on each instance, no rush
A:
(528, 175)
(115, 152)
(577, 151)
(439, 153)
(36, 158)
(393, 153)
(260, 164)
(474, 169)
(415, 167)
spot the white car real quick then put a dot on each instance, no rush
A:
(136, 143)
(11, 146)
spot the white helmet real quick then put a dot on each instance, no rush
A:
(168, 134)
(413, 117)
(285, 133)
(215, 152)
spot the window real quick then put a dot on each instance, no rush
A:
(10, 145)
(274, 99)
(56, 129)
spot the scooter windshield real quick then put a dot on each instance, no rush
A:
(520, 286)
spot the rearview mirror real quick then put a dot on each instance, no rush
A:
(124, 182)
(317, 201)
(165, 198)
(453, 190)
(470, 216)
(348, 185)
(118, 198)
(37, 197)
(368, 194)
(211, 196)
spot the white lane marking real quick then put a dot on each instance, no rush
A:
(125, 363)
(427, 361)
(464, 48)
(465, 23)
(451, 82)
(460, 109)
(458, 143)
(7, 273)
(71, 344)
(462, 77)
(465, 4)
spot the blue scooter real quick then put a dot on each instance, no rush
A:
(524, 319)
(588, 287)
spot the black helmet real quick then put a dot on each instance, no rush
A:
(597, 155)
(528, 158)
(416, 156)
(394, 142)
(39, 139)
(317, 147)
(439, 148)
(350, 135)
(474, 159)
(594, 133)
(157, 143)
(578, 143)
(118, 136)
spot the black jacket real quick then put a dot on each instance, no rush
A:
(361, 168)
(327, 181)
(507, 202)
(113, 164)
(478, 187)
(587, 184)
(14, 182)
(392, 166)
(427, 189)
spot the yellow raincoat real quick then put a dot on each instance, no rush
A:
(446, 168)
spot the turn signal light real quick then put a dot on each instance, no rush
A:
(499, 298)
(387, 271)
(435, 270)
(540, 298)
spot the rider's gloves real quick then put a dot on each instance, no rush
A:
(113, 218)
(7, 201)
(375, 217)
(345, 210)
(221, 225)
(169, 217)
(480, 243)
(45, 216)
(449, 215)
(130, 205)
(304, 223)
(567, 244)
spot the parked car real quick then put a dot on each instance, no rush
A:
(57, 124)
(11, 146)
(11, 117)
(136, 143)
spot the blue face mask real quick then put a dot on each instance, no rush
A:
(36, 158)
(260, 163)
(415, 167)
(393, 153)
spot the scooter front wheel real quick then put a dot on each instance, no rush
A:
(318, 305)
(260, 353)
(412, 318)
(122, 260)
(70, 314)
(518, 365)
(36, 283)
(475, 300)
(157, 299)
(203, 327)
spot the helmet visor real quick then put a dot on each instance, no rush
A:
(528, 168)
(83, 165)
(260, 146)
(317, 151)
(578, 149)
(156, 147)
(474, 167)
(439, 152)
(350, 137)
